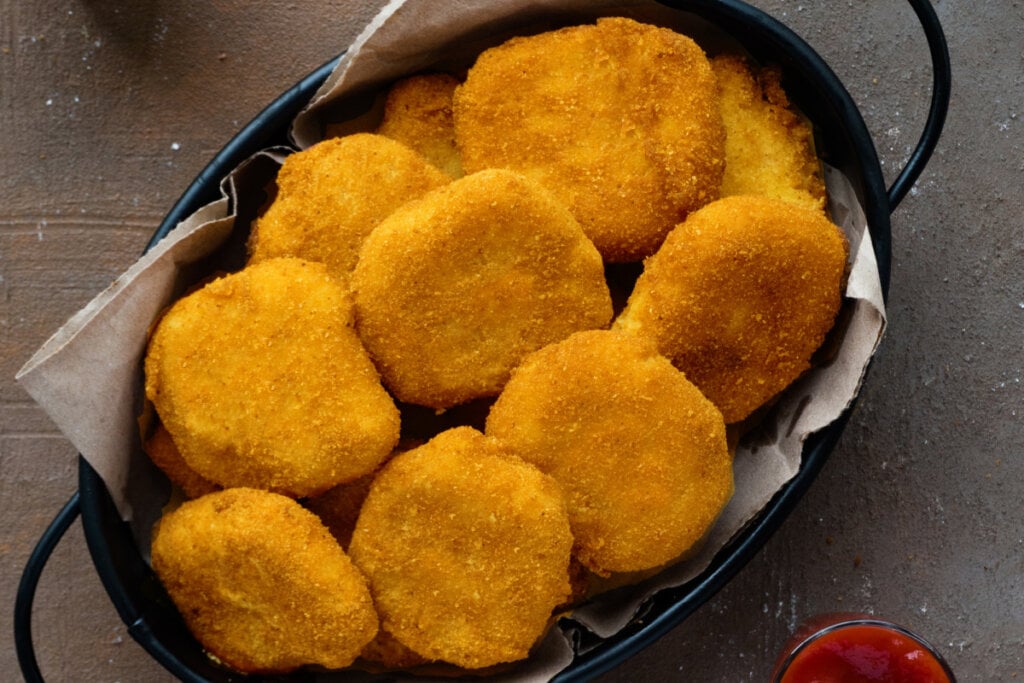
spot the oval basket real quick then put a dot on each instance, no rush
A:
(842, 140)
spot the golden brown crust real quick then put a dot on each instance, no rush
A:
(469, 539)
(740, 296)
(620, 120)
(769, 147)
(165, 455)
(418, 113)
(466, 550)
(338, 507)
(261, 583)
(386, 651)
(639, 451)
(451, 291)
(330, 196)
(245, 375)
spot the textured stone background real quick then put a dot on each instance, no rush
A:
(108, 110)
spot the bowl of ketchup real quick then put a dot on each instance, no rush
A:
(859, 649)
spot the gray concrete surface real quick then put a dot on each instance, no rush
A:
(108, 110)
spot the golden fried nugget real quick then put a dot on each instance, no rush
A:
(165, 455)
(338, 507)
(386, 651)
(466, 550)
(769, 147)
(418, 113)
(333, 194)
(639, 451)
(740, 296)
(261, 583)
(451, 291)
(620, 120)
(261, 381)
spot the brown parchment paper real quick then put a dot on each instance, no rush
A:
(88, 376)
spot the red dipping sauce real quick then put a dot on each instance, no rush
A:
(861, 651)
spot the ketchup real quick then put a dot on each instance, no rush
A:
(863, 651)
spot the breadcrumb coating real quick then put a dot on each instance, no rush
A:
(769, 147)
(639, 451)
(740, 296)
(261, 583)
(330, 196)
(619, 119)
(338, 507)
(418, 113)
(453, 290)
(165, 455)
(455, 255)
(261, 381)
(387, 652)
(466, 550)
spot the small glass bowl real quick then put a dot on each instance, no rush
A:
(855, 647)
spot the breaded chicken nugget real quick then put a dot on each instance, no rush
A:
(740, 296)
(338, 507)
(386, 651)
(165, 455)
(620, 120)
(640, 453)
(261, 583)
(466, 550)
(451, 291)
(418, 113)
(769, 147)
(261, 381)
(330, 196)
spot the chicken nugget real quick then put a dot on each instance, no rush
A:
(620, 120)
(640, 453)
(261, 583)
(418, 113)
(740, 296)
(330, 196)
(769, 147)
(261, 381)
(165, 455)
(387, 652)
(451, 291)
(338, 507)
(466, 550)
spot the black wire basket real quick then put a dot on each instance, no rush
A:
(842, 141)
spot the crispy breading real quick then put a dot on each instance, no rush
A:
(769, 147)
(261, 583)
(165, 455)
(418, 113)
(466, 550)
(261, 381)
(386, 651)
(451, 291)
(640, 453)
(338, 507)
(330, 196)
(740, 296)
(619, 119)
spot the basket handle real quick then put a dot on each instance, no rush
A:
(941, 86)
(30, 581)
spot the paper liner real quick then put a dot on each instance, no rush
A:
(88, 376)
